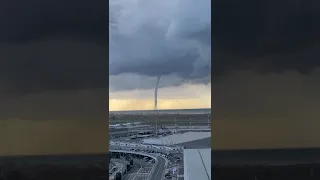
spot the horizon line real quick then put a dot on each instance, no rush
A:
(160, 109)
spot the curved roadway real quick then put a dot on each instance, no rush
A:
(159, 168)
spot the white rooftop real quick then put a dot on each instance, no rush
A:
(197, 164)
(178, 138)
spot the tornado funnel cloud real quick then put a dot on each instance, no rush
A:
(156, 93)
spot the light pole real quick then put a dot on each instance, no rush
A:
(208, 121)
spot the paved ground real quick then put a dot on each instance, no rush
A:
(141, 171)
(197, 144)
(180, 172)
(159, 169)
(141, 149)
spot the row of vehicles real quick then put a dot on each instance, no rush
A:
(142, 146)
(149, 160)
(172, 157)
(115, 126)
(144, 134)
(164, 154)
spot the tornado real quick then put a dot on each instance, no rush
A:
(156, 93)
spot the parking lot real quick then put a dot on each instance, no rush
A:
(141, 174)
(135, 177)
(174, 159)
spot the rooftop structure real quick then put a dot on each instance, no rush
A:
(197, 164)
(178, 138)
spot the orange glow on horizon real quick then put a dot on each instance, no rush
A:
(148, 104)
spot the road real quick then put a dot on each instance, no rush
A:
(134, 169)
(141, 149)
(180, 172)
(158, 169)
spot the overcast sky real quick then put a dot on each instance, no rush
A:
(150, 38)
(265, 86)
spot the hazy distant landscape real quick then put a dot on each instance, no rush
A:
(181, 117)
(166, 111)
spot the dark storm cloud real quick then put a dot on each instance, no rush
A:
(265, 35)
(53, 45)
(160, 38)
(135, 81)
